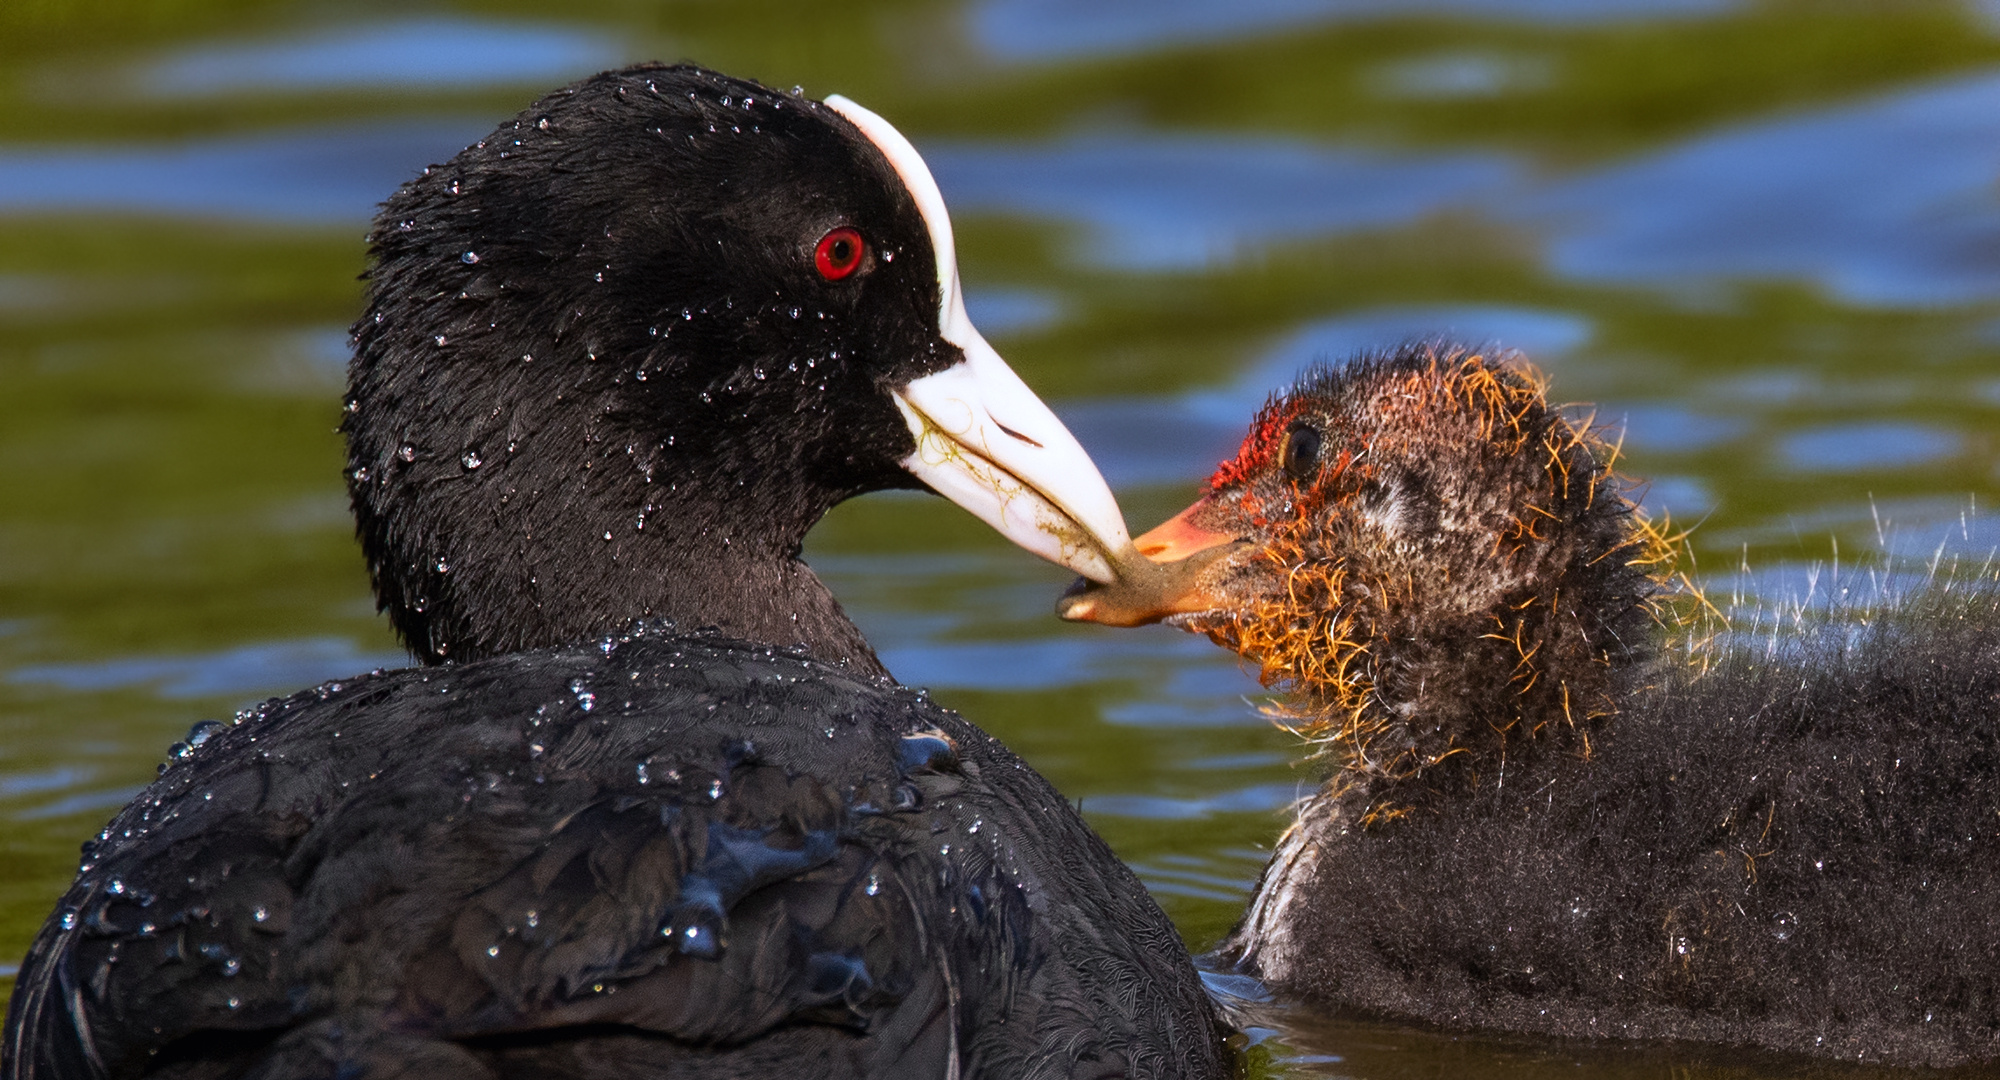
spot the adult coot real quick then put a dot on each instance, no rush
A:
(617, 358)
(1535, 816)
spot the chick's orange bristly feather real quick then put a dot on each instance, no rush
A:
(1447, 484)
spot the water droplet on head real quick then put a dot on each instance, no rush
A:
(643, 777)
(260, 913)
(471, 460)
(469, 258)
(420, 604)
(874, 883)
(715, 788)
(407, 453)
(493, 951)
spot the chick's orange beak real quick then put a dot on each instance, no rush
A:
(1170, 583)
(1179, 537)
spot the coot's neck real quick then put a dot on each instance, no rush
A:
(551, 526)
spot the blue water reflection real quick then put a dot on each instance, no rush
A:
(1198, 879)
(1010, 311)
(1855, 447)
(314, 176)
(407, 54)
(1139, 440)
(1264, 797)
(1918, 530)
(1168, 202)
(249, 672)
(1673, 429)
(1024, 30)
(1547, 336)
(1889, 201)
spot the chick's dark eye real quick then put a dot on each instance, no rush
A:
(1301, 454)
(839, 254)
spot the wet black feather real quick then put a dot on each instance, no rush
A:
(669, 857)
(599, 370)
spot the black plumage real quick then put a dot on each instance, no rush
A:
(1798, 849)
(664, 855)
(1558, 799)
(597, 374)
(610, 373)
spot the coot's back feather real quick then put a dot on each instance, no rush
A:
(670, 857)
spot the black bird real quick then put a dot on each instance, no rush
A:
(653, 808)
(1547, 806)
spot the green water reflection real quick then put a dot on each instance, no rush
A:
(173, 541)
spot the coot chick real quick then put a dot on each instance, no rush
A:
(654, 809)
(1546, 807)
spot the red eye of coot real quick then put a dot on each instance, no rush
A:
(839, 254)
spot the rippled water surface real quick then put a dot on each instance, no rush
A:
(1763, 236)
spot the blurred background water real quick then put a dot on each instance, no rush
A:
(1764, 236)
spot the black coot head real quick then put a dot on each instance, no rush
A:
(622, 353)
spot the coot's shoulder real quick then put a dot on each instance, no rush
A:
(681, 838)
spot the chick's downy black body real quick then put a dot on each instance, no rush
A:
(1797, 849)
(1551, 806)
(654, 810)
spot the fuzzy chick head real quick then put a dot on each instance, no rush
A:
(1434, 564)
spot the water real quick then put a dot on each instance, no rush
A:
(1766, 240)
